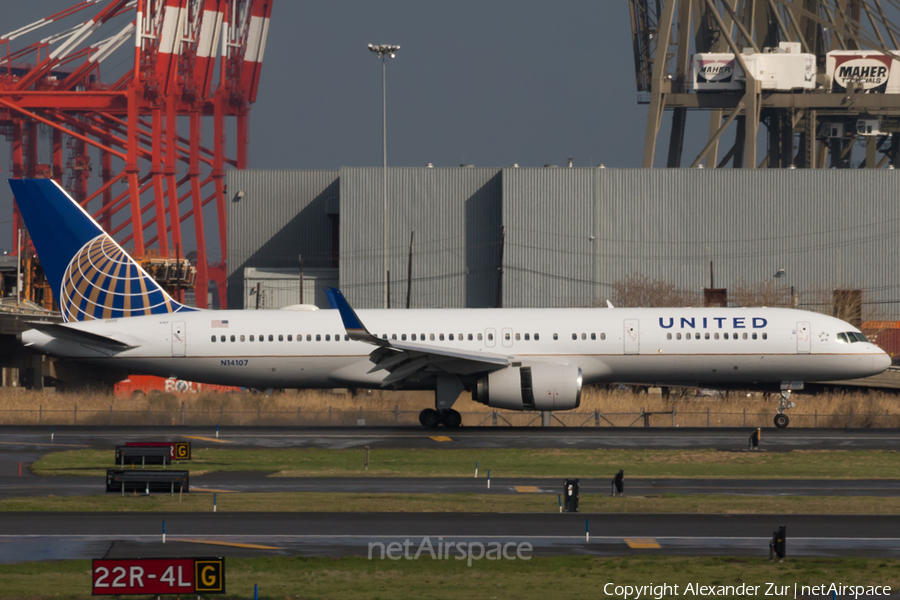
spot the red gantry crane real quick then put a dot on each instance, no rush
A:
(191, 59)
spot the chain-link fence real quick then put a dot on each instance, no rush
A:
(397, 417)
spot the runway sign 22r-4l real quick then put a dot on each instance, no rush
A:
(118, 577)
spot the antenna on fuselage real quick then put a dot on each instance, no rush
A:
(609, 304)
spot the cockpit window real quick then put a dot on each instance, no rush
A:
(859, 337)
(842, 338)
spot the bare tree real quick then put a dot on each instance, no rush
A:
(639, 290)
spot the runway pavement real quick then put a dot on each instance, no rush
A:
(53, 536)
(35, 438)
(254, 481)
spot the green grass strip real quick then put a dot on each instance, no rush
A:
(574, 578)
(415, 503)
(449, 462)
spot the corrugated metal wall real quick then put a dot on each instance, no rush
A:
(282, 215)
(827, 229)
(572, 235)
(455, 214)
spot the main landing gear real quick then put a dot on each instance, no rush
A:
(781, 419)
(447, 390)
(431, 418)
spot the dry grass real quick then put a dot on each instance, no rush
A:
(860, 409)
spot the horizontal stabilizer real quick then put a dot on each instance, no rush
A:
(71, 334)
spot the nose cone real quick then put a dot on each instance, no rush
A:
(881, 362)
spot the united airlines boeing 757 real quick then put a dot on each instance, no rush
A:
(526, 359)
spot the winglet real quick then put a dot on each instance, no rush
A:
(355, 329)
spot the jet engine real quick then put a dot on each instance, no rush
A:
(536, 387)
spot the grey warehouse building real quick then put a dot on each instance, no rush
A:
(529, 237)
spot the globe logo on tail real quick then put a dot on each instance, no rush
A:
(103, 282)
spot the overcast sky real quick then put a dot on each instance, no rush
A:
(486, 82)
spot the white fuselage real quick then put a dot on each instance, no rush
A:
(310, 349)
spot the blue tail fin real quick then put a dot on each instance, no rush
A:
(91, 276)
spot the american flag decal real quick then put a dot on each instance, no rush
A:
(220, 323)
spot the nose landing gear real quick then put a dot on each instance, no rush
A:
(781, 419)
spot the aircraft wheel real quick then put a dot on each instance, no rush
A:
(781, 421)
(451, 419)
(429, 418)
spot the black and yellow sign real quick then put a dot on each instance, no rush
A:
(209, 575)
(182, 451)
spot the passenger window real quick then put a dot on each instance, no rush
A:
(460, 337)
(221, 338)
(745, 335)
(290, 338)
(232, 338)
(393, 336)
(716, 335)
(214, 338)
(431, 337)
(346, 338)
(765, 336)
(537, 337)
(574, 336)
(337, 337)
(413, 337)
(707, 335)
(251, 338)
(583, 336)
(506, 337)
(422, 336)
(518, 337)
(480, 338)
(450, 337)
(668, 336)
(308, 337)
(441, 337)
(318, 337)
(271, 338)
(280, 338)
(555, 336)
(490, 337)
(593, 336)
(403, 337)
(242, 338)
(527, 337)
(678, 336)
(687, 336)
(262, 338)
(725, 336)
(470, 337)
(327, 337)
(754, 335)
(602, 336)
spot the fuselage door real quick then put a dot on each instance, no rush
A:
(803, 343)
(507, 337)
(490, 337)
(632, 337)
(179, 338)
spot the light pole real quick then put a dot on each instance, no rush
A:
(383, 51)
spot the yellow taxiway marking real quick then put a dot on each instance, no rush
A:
(643, 543)
(45, 444)
(206, 439)
(527, 489)
(441, 438)
(231, 544)
(211, 490)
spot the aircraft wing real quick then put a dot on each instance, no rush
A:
(410, 361)
(79, 336)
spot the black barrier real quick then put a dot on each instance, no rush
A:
(147, 481)
(778, 545)
(571, 491)
(618, 483)
(143, 455)
(754, 439)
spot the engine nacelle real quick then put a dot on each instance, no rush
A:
(536, 387)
